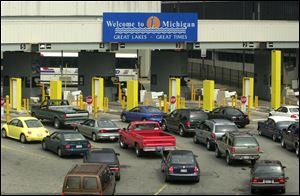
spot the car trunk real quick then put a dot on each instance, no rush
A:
(246, 150)
(78, 144)
(156, 138)
(183, 168)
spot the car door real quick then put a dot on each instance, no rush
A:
(271, 127)
(108, 183)
(49, 141)
(171, 120)
(19, 128)
(82, 127)
(12, 126)
(204, 132)
(223, 144)
(43, 114)
(215, 113)
(90, 128)
(289, 135)
(131, 113)
(278, 112)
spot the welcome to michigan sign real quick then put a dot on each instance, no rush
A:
(150, 27)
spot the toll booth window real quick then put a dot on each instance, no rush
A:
(154, 79)
(6, 81)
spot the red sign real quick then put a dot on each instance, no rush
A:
(2, 101)
(89, 99)
(243, 99)
(173, 99)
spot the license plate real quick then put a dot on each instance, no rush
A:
(268, 181)
(246, 157)
(112, 137)
(183, 170)
(78, 146)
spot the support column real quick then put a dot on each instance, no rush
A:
(276, 79)
(132, 94)
(208, 97)
(55, 89)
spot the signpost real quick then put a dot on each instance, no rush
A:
(172, 102)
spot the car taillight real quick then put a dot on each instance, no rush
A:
(188, 124)
(67, 146)
(29, 132)
(103, 131)
(232, 150)
(115, 169)
(171, 170)
(62, 193)
(196, 170)
(89, 145)
(293, 116)
(213, 136)
(256, 180)
(65, 116)
(101, 193)
(281, 181)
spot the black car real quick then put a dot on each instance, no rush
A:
(290, 138)
(233, 114)
(180, 165)
(66, 143)
(104, 156)
(274, 126)
(268, 175)
(183, 120)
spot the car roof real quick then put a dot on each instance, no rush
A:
(239, 134)
(25, 118)
(281, 118)
(179, 152)
(67, 132)
(267, 162)
(143, 122)
(102, 150)
(221, 121)
(87, 168)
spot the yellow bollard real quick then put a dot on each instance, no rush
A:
(119, 92)
(146, 102)
(105, 104)
(85, 106)
(249, 108)
(81, 101)
(283, 100)
(43, 92)
(123, 103)
(165, 104)
(159, 102)
(178, 102)
(7, 109)
(192, 92)
(224, 102)
(219, 103)
(182, 102)
(232, 100)
(256, 102)
(199, 101)
(77, 101)
(95, 107)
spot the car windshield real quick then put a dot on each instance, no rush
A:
(195, 115)
(101, 157)
(182, 159)
(267, 169)
(58, 102)
(245, 141)
(106, 124)
(146, 127)
(33, 123)
(294, 110)
(73, 137)
(152, 109)
(284, 124)
(233, 112)
(224, 128)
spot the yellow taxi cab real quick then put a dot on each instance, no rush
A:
(24, 129)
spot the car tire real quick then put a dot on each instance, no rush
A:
(208, 145)
(166, 178)
(3, 133)
(22, 138)
(118, 178)
(197, 180)
(164, 126)
(253, 162)
(44, 146)
(297, 150)
(259, 132)
(274, 138)
(56, 123)
(122, 144)
(195, 139)
(283, 143)
(181, 131)
(253, 190)
(217, 152)
(270, 114)
(228, 159)
(94, 137)
(123, 118)
(138, 151)
(59, 152)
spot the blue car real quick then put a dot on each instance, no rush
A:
(141, 113)
(66, 143)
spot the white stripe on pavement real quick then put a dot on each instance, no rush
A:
(259, 119)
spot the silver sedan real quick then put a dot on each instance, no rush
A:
(99, 129)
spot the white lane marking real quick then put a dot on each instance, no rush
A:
(259, 119)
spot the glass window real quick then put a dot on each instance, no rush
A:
(224, 128)
(33, 123)
(106, 124)
(245, 141)
(101, 157)
(14, 122)
(53, 135)
(73, 137)
(284, 124)
(89, 183)
(73, 182)
(91, 123)
(146, 127)
(233, 112)
(198, 115)
(216, 110)
(182, 159)
(20, 124)
(152, 109)
(279, 109)
(285, 110)
(294, 110)
(87, 122)
(268, 169)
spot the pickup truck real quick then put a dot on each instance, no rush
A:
(59, 112)
(146, 136)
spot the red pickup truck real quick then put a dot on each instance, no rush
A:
(146, 136)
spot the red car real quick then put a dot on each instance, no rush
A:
(146, 136)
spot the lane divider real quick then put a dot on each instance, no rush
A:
(161, 189)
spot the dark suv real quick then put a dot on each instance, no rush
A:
(89, 179)
(183, 120)
(290, 137)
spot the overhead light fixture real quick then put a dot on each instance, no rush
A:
(126, 55)
(58, 54)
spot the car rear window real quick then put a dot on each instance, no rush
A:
(245, 141)
(296, 110)
(33, 123)
(233, 112)
(89, 183)
(267, 169)
(101, 158)
(195, 115)
(73, 182)
(73, 137)
(152, 109)
(106, 124)
(224, 128)
(182, 159)
(146, 127)
(284, 124)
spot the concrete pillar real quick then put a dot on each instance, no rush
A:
(145, 62)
